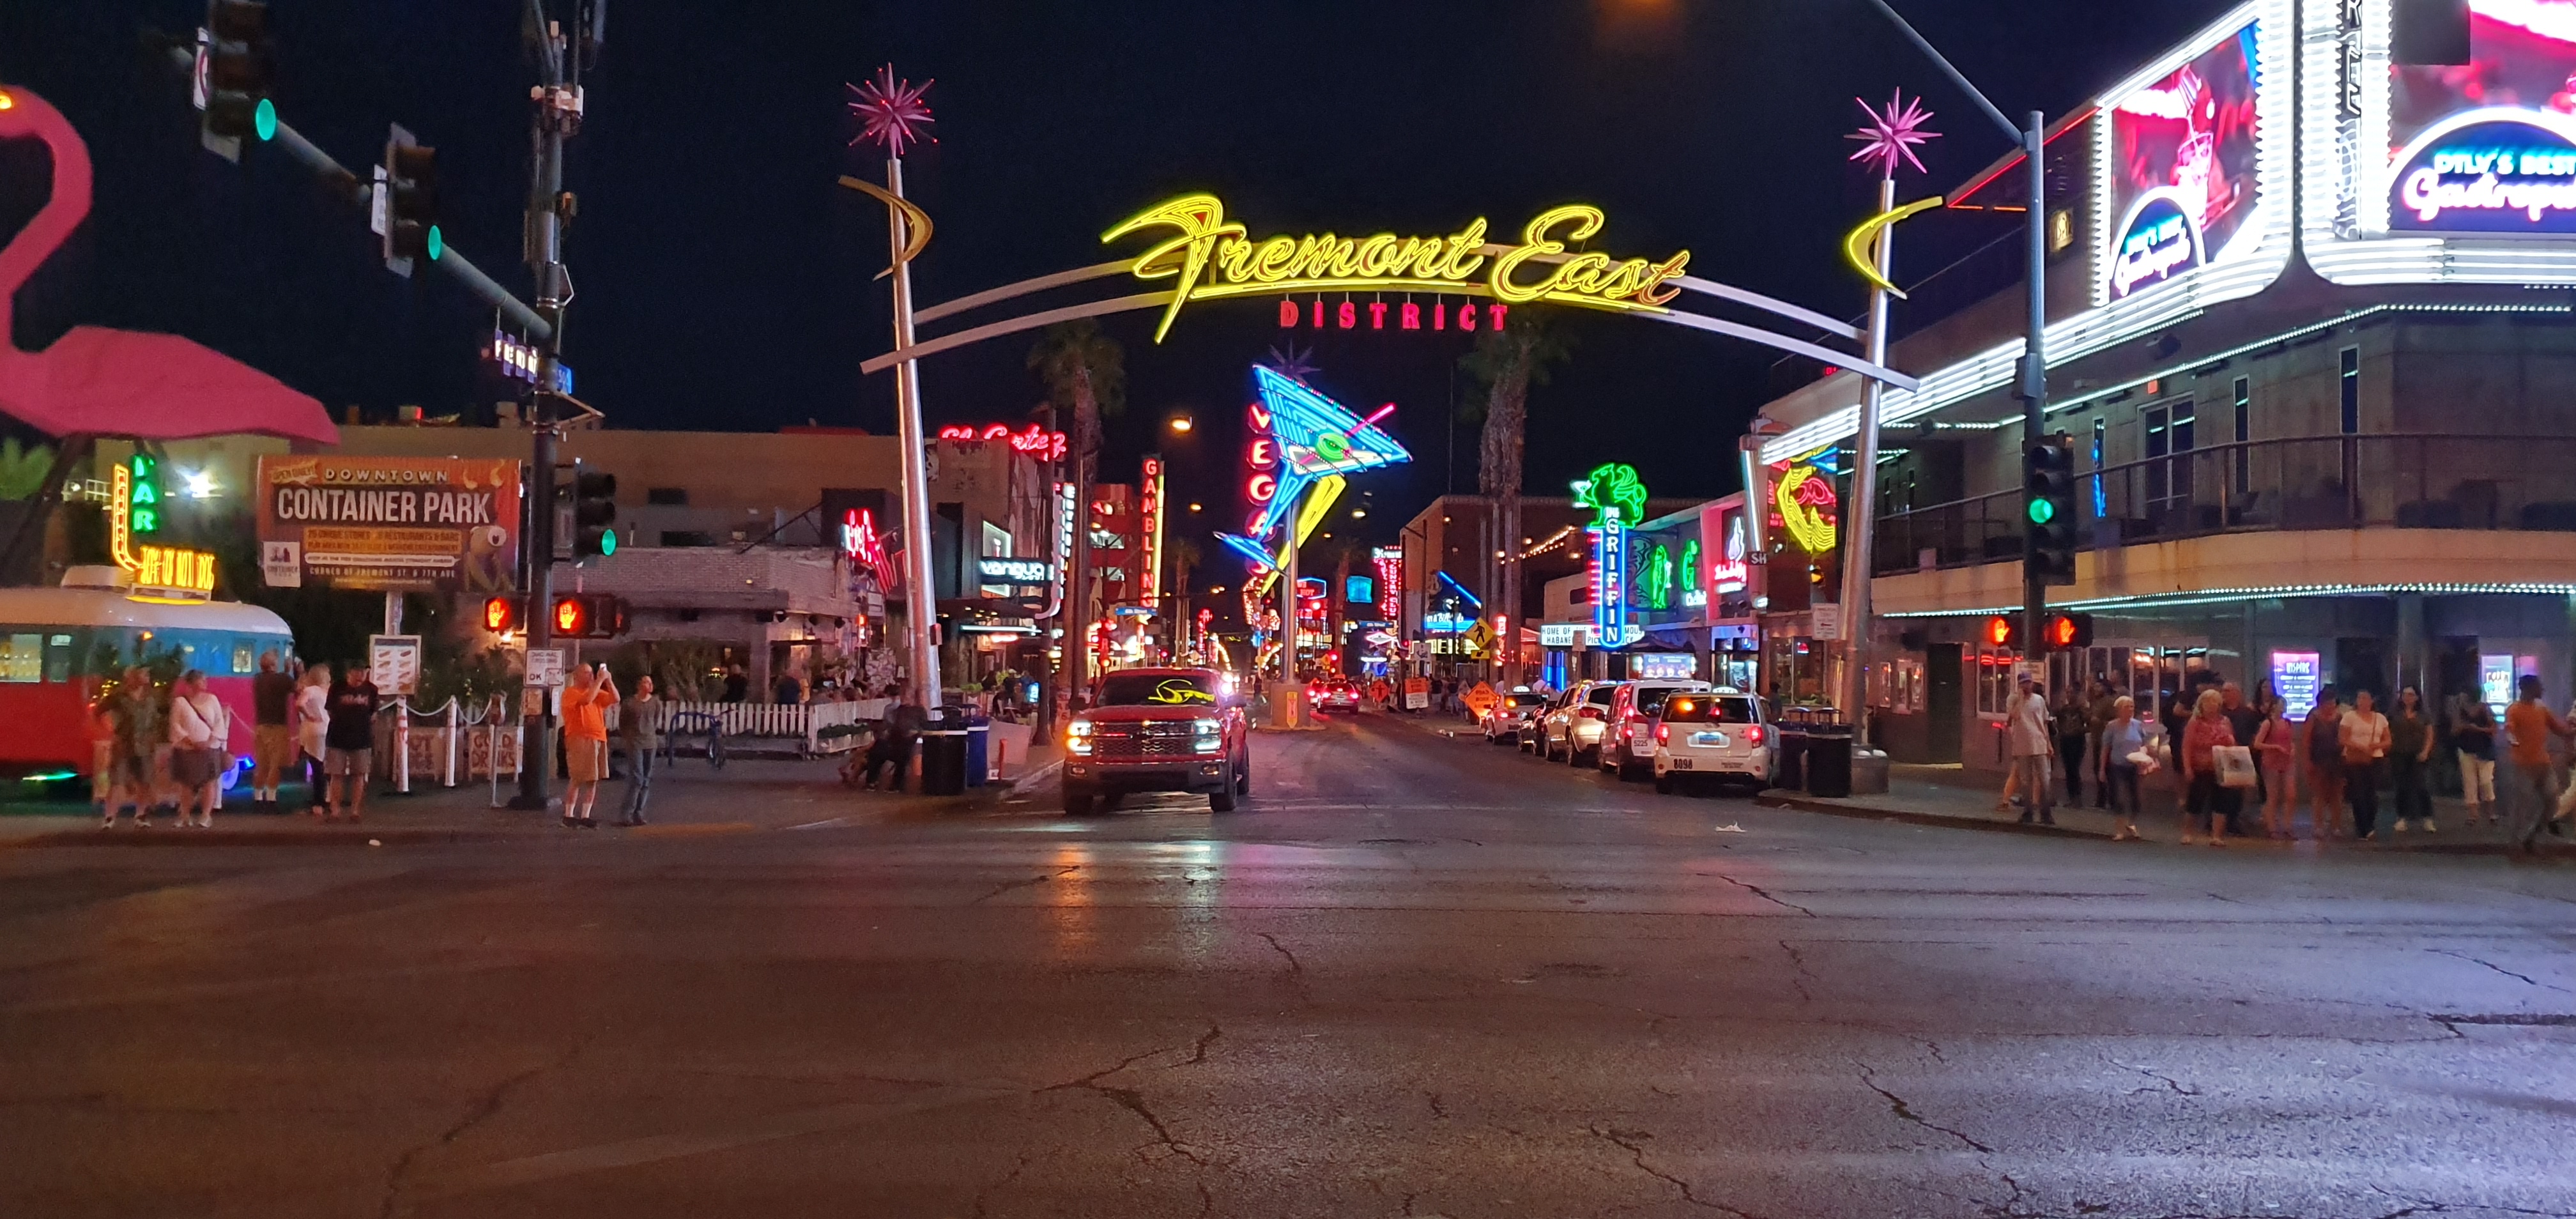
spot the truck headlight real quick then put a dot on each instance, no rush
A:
(1208, 736)
(1077, 737)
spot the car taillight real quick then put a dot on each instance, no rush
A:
(1753, 735)
(1588, 713)
(1663, 733)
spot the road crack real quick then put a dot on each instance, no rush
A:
(1294, 967)
(485, 1107)
(2150, 1072)
(1631, 1142)
(1022, 884)
(1896, 1104)
(1799, 982)
(1760, 892)
(2525, 979)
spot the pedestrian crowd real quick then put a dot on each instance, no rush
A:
(2235, 761)
(170, 748)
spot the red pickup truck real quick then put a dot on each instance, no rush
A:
(1159, 730)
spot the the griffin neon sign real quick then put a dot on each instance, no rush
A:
(1213, 258)
(1617, 499)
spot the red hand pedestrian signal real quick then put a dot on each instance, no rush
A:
(500, 615)
(2000, 631)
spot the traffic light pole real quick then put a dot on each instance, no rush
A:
(2034, 371)
(553, 121)
(2033, 138)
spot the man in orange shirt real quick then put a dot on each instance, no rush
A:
(2529, 725)
(586, 700)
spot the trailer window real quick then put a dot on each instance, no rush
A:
(22, 657)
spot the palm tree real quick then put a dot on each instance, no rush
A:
(1507, 362)
(23, 468)
(1086, 375)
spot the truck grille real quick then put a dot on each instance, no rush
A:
(1146, 740)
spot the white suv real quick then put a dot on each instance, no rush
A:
(1572, 731)
(1712, 738)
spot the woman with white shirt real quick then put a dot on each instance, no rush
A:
(312, 716)
(200, 727)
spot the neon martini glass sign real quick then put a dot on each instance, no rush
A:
(1316, 437)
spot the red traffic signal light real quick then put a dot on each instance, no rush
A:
(589, 616)
(2069, 630)
(500, 614)
(2000, 631)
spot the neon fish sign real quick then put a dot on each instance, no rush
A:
(1213, 258)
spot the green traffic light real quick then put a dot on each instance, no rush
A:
(437, 243)
(2042, 511)
(263, 121)
(607, 542)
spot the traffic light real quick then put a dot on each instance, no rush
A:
(236, 63)
(500, 615)
(594, 512)
(2048, 540)
(2065, 631)
(2001, 631)
(411, 200)
(589, 616)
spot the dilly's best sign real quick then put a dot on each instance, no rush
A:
(1209, 257)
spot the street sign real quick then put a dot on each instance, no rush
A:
(545, 667)
(393, 663)
(1481, 638)
(1417, 693)
(1481, 700)
(1828, 622)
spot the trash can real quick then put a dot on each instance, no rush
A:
(979, 738)
(943, 753)
(1869, 771)
(1829, 761)
(1790, 772)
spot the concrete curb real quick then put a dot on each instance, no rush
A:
(360, 836)
(1778, 798)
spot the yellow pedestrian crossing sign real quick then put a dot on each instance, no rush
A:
(1480, 639)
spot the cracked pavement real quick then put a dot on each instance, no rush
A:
(1415, 976)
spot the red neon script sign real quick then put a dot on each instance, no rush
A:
(1035, 441)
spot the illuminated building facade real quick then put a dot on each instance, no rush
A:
(2314, 385)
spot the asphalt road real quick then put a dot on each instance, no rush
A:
(1416, 977)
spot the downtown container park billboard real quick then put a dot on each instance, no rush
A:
(414, 524)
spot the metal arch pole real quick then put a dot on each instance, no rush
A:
(921, 686)
(1860, 518)
(2034, 373)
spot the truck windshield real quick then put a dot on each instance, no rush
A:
(1156, 690)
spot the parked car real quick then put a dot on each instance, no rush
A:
(1572, 732)
(1334, 696)
(1510, 713)
(1533, 734)
(1711, 738)
(1628, 747)
(1159, 730)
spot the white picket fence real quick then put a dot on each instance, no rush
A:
(803, 723)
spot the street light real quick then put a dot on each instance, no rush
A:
(2033, 138)
(1181, 423)
(1196, 507)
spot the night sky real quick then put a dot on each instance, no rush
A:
(724, 280)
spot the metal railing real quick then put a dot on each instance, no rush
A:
(2382, 481)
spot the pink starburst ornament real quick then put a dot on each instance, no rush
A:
(1893, 133)
(891, 112)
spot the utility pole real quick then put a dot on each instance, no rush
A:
(2032, 136)
(557, 115)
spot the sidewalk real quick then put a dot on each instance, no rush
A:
(689, 800)
(1946, 795)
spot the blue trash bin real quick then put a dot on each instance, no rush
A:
(979, 736)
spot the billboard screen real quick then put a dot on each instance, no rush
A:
(2178, 164)
(2181, 169)
(2489, 146)
(409, 523)
(2448, 173)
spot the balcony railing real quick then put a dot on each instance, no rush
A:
(2384, 481)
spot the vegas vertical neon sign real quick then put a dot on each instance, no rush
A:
(1617, 499)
